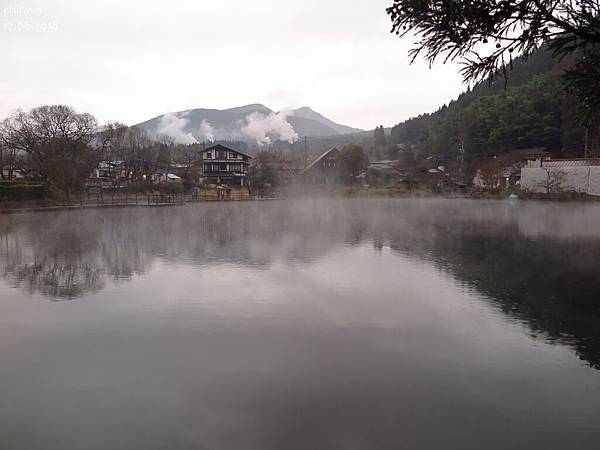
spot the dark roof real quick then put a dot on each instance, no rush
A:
(524, 153)
(222, 147)
(312, 164)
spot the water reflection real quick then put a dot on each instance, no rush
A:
(304, 324)
(538, 261)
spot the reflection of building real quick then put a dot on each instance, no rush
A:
(222, 164)
(322, 170)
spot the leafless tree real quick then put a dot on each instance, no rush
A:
(56, 142)
(141, 157)
(491, 175)
(113, 143)
(554, 181)
(190, 157)
(9, 162)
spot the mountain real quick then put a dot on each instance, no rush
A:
(529, 109)
(250, 123)
(309, 114)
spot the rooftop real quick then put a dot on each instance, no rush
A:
(323, 155)
(572, 162)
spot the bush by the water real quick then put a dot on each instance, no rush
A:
(22, 190)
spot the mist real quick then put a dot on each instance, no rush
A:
(174, 126)
(264, 128)
(369, 318)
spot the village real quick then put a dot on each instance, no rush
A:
(273, 224)
(219, 172)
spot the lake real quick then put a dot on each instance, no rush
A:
(302, 324)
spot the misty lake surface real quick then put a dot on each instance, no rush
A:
(302, 324)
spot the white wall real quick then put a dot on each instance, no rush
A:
(574, 179)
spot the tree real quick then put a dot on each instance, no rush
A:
(56, 142)
(352, 161)
(528, 115)
(9, 162)
(380, 136)
(553, 181)
(263, 174)
(188, 156)
(113, 143)
(141, 154)
(583, 80)
(491, 175)
(485, 34)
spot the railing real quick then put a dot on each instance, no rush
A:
(165, 199)
(124, 197)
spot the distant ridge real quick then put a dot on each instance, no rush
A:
(232, 123)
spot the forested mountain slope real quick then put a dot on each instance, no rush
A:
(529, 109)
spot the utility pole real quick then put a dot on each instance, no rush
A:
(305, 152)
(461, 153)
(585, 145)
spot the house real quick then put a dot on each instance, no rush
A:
(286, 169)
(108, 174)
(505, 169)
(386, 164)
(322, 170)
(223, 165)
(166, 178)
(384, 173)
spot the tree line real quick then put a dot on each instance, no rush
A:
(61, 147)
(533, 110)
(555, 97)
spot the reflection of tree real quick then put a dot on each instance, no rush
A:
(553, 289)
(67, 255)
(78, 251)
(550, 283)
(56, 281)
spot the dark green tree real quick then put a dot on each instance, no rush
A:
(485, 34)
(352, 161)
(380, 136)
(583, 80)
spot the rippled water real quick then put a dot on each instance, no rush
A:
(308, 324)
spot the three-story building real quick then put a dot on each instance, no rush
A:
(223, 165)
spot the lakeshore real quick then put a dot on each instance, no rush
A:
(156, 200)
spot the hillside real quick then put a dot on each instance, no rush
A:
(252, 123)
(529, 109)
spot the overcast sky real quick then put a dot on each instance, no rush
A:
(130, 61)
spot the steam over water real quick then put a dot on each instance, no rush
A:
(307, 324)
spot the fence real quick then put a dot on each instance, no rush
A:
(11, 198)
